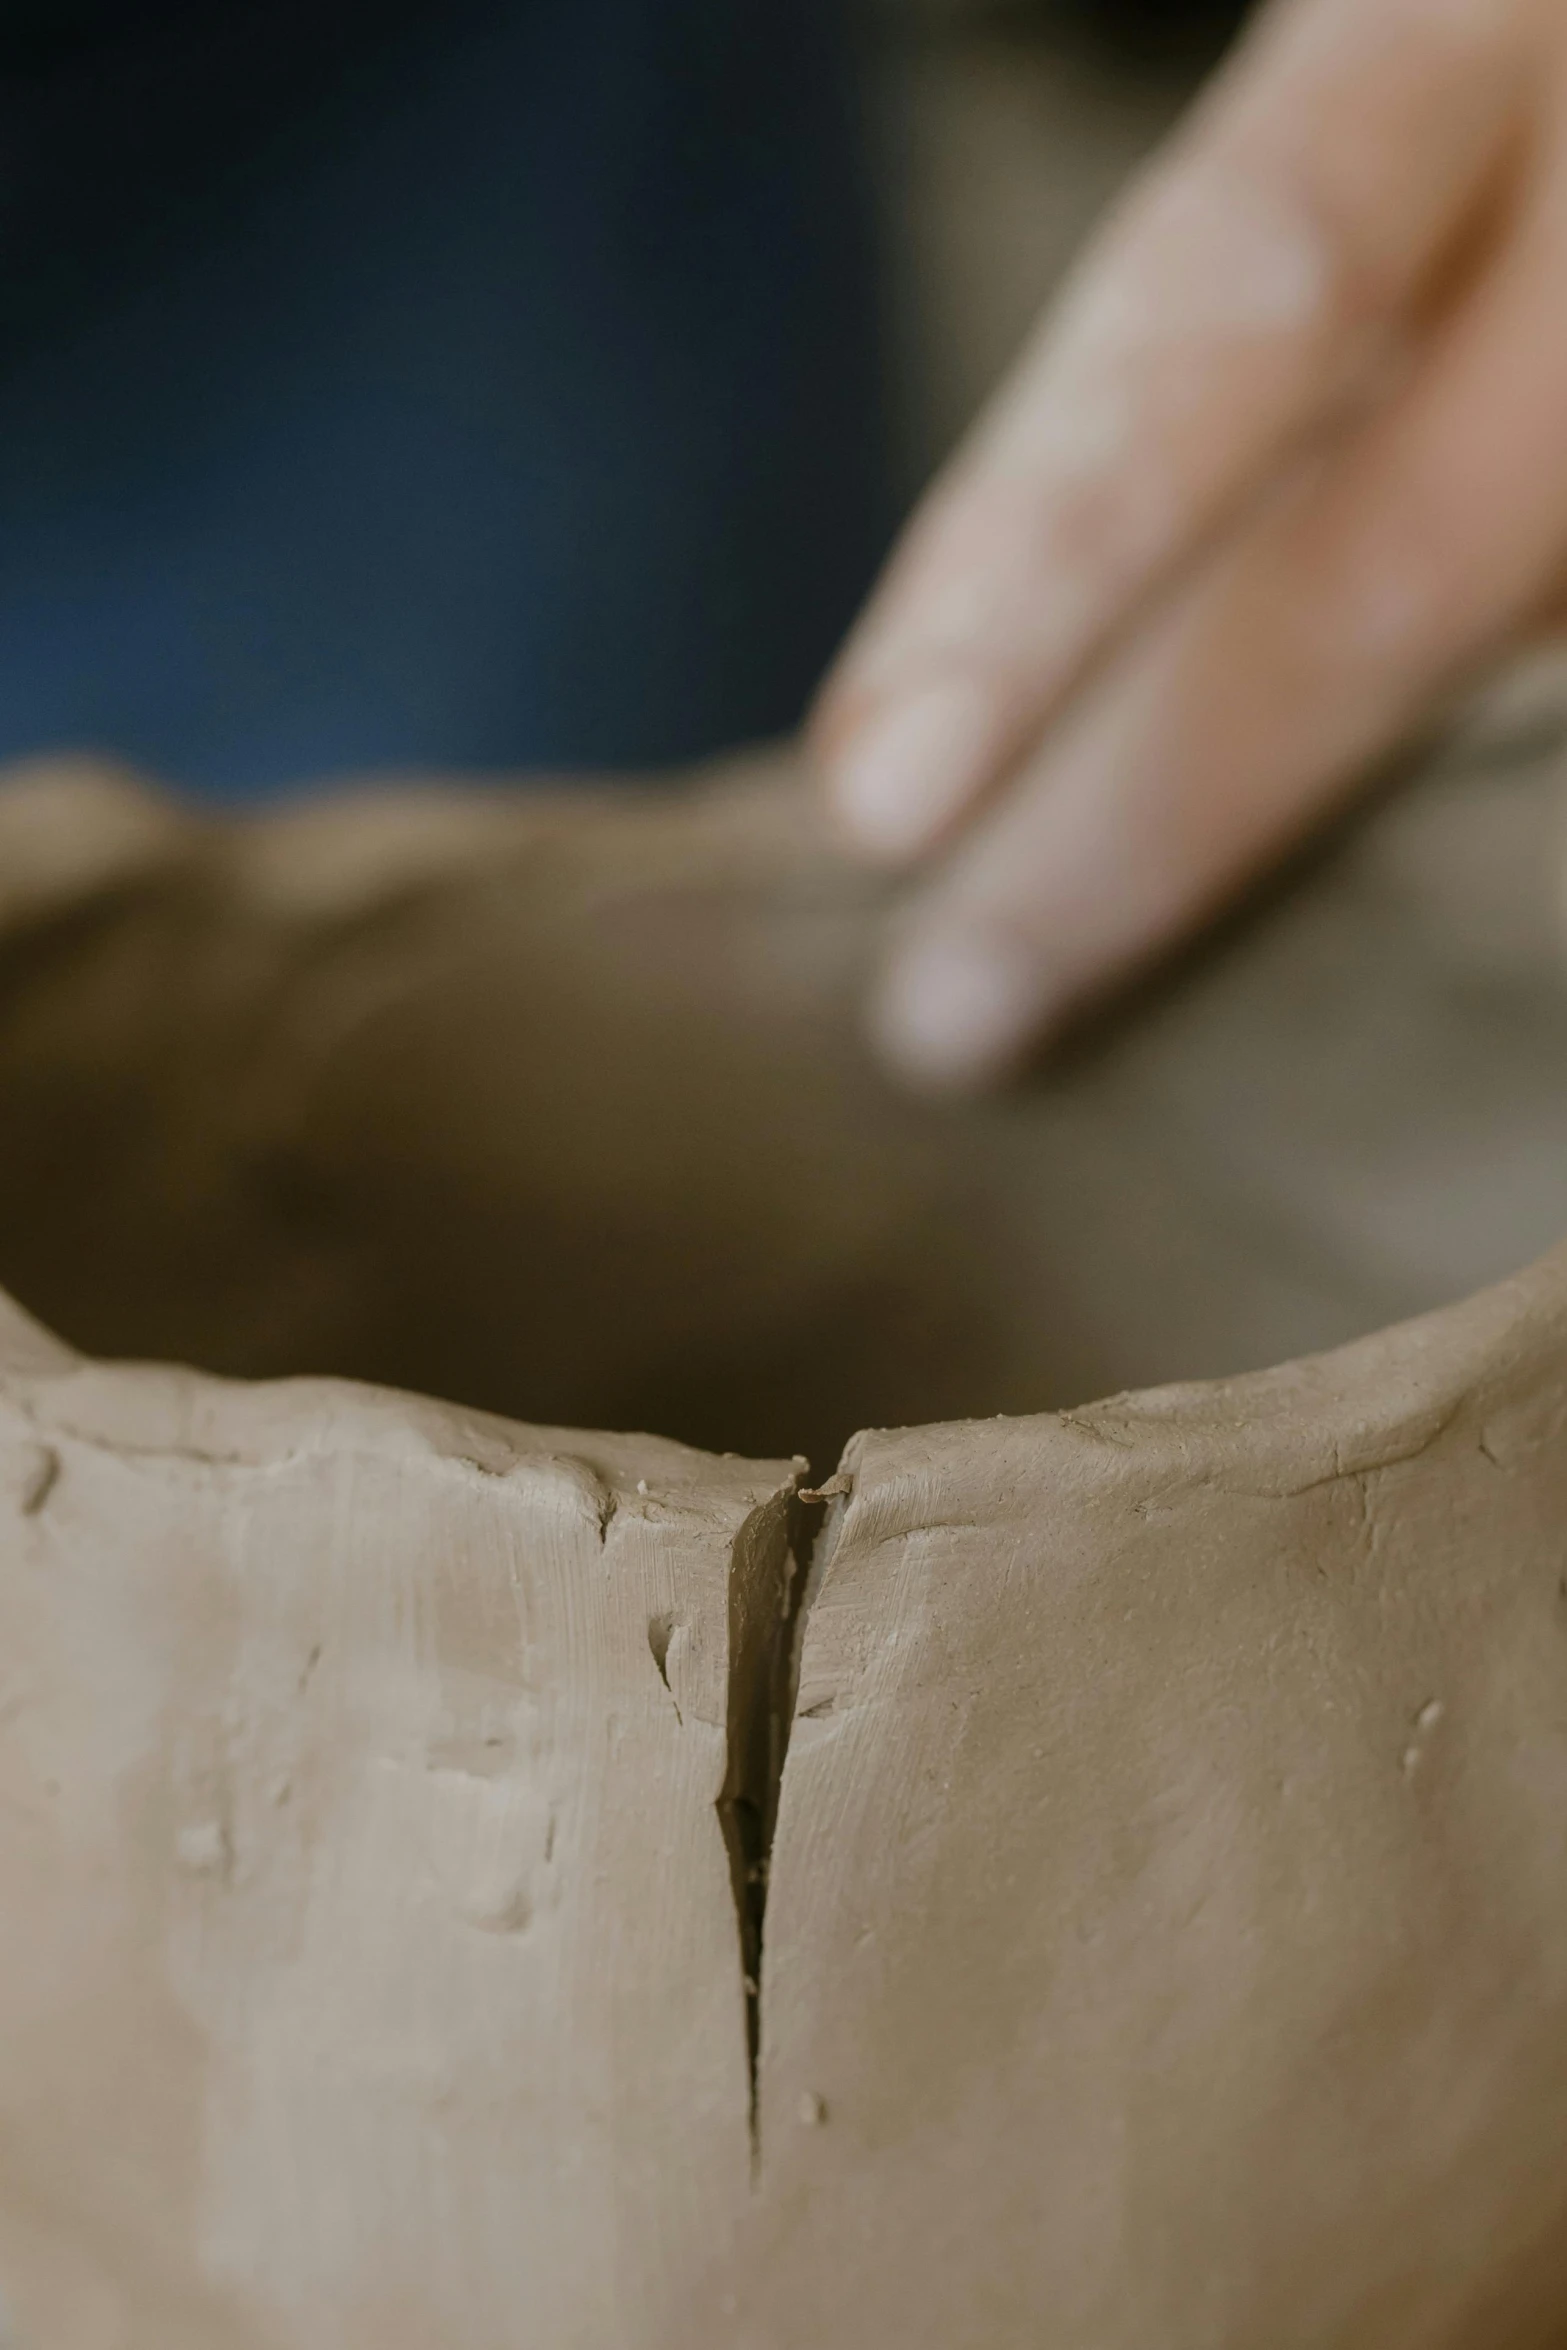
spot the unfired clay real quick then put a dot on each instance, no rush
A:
(1087, 1880)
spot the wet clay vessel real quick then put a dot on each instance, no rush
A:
(1038, 1872)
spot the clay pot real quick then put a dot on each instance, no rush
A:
(1090, 1876)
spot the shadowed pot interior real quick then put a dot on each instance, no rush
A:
(555, 1104)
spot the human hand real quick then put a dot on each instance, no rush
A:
(1287, 464)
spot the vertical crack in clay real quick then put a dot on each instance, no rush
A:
(764, 1582)
(778, 1563)
(660, 1632)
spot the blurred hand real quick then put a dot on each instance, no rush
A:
(1286, 465)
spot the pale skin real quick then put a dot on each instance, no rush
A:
(1284, 470)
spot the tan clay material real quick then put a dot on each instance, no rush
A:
(1165, 1944)
(371, 1970)
(1091, 1880)
(1167, 1911)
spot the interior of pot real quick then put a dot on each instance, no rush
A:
(558, 1106)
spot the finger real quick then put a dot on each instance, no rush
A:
(1434, 537)
(1221, 315)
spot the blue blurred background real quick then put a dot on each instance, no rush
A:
(447, 383)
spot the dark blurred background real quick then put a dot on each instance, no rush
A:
(507, 383)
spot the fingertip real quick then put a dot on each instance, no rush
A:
(902, 773)
(956, 1012)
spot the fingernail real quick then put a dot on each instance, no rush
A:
(900, 783)
(954, 1013)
